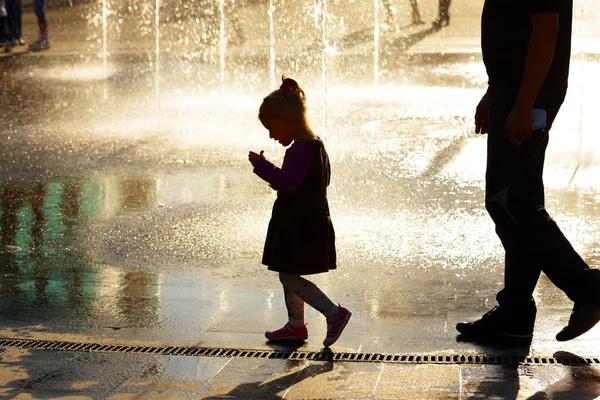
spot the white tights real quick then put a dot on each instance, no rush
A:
(298, 291)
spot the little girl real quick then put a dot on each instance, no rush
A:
(300, 239)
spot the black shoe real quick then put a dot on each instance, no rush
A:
(583, 318)
(500, 322)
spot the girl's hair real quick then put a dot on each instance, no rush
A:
(289, 99)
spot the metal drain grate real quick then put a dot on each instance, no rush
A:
(297, 355)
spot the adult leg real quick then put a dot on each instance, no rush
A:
(512, 172)
(43, 41)
(532, 240)
(14, 12)
(390, 14)
(416, 14)
(513, 181)
(443, 17)
(3, 30)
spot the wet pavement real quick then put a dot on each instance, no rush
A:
(129, 213)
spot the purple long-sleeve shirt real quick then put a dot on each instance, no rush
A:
(290, 176)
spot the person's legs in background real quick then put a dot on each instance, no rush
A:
(416, 14)
(3, 24)
(14, 12)
(3, 31)
(43, 41)
(390, 15)
(443, 18)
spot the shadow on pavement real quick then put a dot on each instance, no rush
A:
(581, 382)
(391, 42)
(404, 42)
(269, 390)
(502, 381)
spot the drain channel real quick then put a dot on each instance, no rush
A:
(296, 355)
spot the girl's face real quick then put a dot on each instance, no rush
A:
(279, 129)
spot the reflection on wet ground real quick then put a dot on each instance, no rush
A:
(121, 211)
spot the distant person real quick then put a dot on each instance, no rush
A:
(43, 41)
(300, 239)
(14, 14)
(526, 50)
(443, 18)
(391, 13)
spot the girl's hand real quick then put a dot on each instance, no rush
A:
(254, 157)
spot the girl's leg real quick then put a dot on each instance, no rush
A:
(309, 293)
(337, 316)
(294, 329)
(295, 308)
(40, 12)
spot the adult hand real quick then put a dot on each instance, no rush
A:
(481, 116)
(517, 127)
(254, 157)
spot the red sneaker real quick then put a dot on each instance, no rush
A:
(288, 332)
(336, 325)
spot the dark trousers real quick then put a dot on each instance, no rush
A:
(416, 14)
(14, 13)
(4, 30)
(532, 240)
(443, 6)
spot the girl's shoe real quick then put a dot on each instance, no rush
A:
(288, 332)
(336, 325)
(39, 45)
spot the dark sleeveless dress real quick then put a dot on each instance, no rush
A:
(300, 239)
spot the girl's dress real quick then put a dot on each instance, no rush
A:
(300, 239)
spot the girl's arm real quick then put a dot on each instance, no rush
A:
(292, 173)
